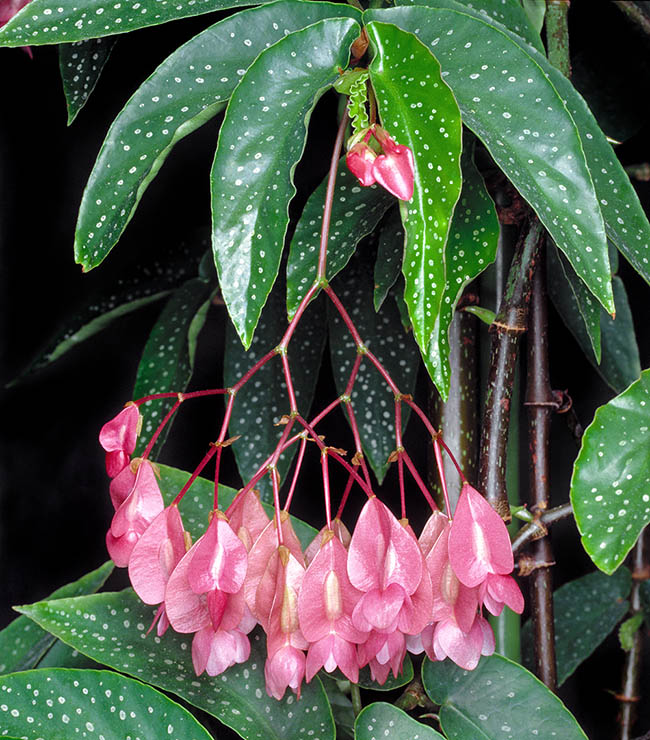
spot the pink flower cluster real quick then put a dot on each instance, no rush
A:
(348, 601)
(394, 170)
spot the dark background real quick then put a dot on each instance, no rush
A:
(54, 507)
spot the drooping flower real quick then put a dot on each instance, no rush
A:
(498, 591)
(247, 518)
(118, 437)
(340, 531)
(214, 651)
(394, 170)
(464, 648)
(360, 160)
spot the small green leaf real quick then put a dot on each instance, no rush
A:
(372, 401)
(502, 86)
(381, 720)
(60, 703)
(22, 643)
(356, 211)
(252, 174)
(111, 628)
(484, 314)
(471, 247)
(585, 612)
(419, 111)
(48, 22)
(497, 700)
(189, 88)
(389, 256)
(168, 358)
(610, 490)
(263, 400)
(80, 65)
(196, 504)
(628, 629)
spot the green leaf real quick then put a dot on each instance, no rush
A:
(60, 703)
(196, 505)
(47, 22)
(471, 247)
(380, 720)
(356, 211)
(628, 629)
(61, 655)
(503, 92)
(372, 401)
(22, 643)
(252, 174)
(342, 709)
(419, 111)
(389, 257)
(111, 628)
(585, 612)
(189, 88)
(80, 65)
(263, 400)
(168, 357)
(484, 314)
(610, 490)
(498, 699)
(536, 11)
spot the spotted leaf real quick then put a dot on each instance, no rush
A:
(372, 400)
(189, 88)
(507, 100)
(260, 144)
(471, 247)
(499, 699)
(610, 487)
(167, 360)
(356, 211)
(23, 644)
(389, 257)
(237, 698)
(59, 703)
(585, 612)
(81, 64)
(385, 720)
(419, 111)
(263, 400)
(48, 22)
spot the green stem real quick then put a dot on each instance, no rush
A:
(355, 695)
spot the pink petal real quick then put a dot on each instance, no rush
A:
(121, 486)
(434, 527)
(121, 432)
(395, 171)
(464, 648)
(379, 608)
(142, 505)
(329, 653)
(219, 559)
(116, 462)
(186, 610)
(285, 668)
(505, 590)
(360, 160)
(120, 548)
(341, 532)
(283, 618)
(416, 610)
(247, 518)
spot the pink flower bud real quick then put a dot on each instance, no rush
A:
(118, 437)
(360, 160)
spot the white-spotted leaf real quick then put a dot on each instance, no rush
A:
(610, 486)
(189, 88)
(419, 111)
(81, 64)
(61, 703)
(390, 251)
(261, 141)
(356, 211)
(23, 644)
(381, 720)
(498, 700)
(507, 100)
(111, 628)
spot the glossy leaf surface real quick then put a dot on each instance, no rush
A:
(610, 487)
(471, 247)
(372, 401)
(48, 22)
(504, 95)
(497, 700)
(23, 644)
(585, 612)
(81, 65)
(168, 357)
(263, 400)
(60, 703)
(238, 697)
(261, 141)
(419, 111)
(356, 211)
(389, 257)
(380, 720)
(189, 88)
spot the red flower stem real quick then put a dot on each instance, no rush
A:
(357, 441)
(296, 473)
(443, 444)
(162, 424)
(344, 499)
(441, 472)
(293, 405)
(326, 489)
(197, 471)
(276, 504)
(186, 396)
(418, 480)
(400, 462)
(361, 347)
(284, 342)
(327, 410)
(353, 375)
(217, 466)
(250, 372)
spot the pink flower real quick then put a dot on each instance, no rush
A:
(478, 541)
(497, 591)
(285, 668)
(341, 532)
(214, 651)
(140, 507)
(464, 648)
(247, 518)
(8, 9)
(383, 652)
(394, 170)
(118, 437)
(360, 161)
